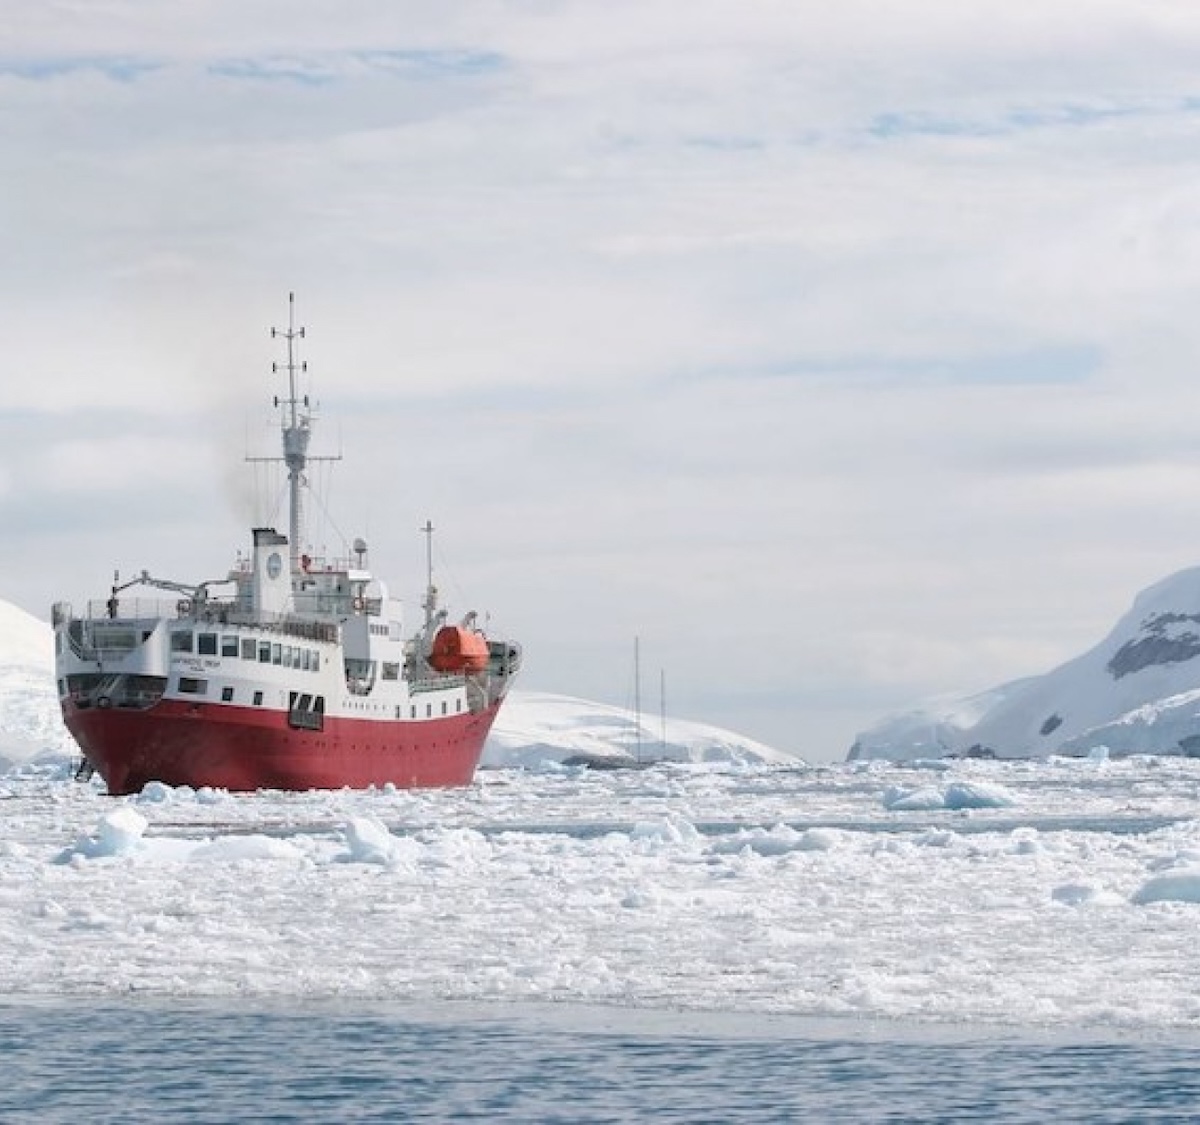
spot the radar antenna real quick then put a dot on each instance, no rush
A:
(296, 425)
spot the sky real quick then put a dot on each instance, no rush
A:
(843, 355)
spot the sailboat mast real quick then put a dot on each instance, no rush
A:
(637, 698)
(662, 709)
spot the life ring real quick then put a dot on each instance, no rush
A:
(184, 605)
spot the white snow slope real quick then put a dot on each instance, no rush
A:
(29, 717)
(533, 727)
(536, 727)
(1138, 691)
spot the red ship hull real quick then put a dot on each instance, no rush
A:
(244, 749)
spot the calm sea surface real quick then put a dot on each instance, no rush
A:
(89, 1061)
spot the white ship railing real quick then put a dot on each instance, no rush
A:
(141, 613)
(430, 683)
(130, 610)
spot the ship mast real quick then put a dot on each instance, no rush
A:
(297, 430)
(296, 419)
(429, 605)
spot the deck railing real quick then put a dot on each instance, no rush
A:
(136, 614)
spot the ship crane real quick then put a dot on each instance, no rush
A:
(198, 593)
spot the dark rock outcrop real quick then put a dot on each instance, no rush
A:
(1155, 647)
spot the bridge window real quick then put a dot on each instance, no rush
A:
(249, 648)
(192, 686)
(181, 640)
(264, 652)
(206, 644)
(229, 645)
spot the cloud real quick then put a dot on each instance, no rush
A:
(323, 68)
(46, 69)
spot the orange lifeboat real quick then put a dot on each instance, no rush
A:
(456, 649)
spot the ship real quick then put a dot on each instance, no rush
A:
(291, 672)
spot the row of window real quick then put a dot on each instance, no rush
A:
(429, 709)
(412, 711)
(191, 685)
(247, 648)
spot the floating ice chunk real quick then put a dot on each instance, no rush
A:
(819, 839)
(453, 848)
(957, 795)
(780, 840)
(672, 830)
(1098, 754)
(1175, 860)
(1074, 894)
(923, 799)
(978, 795)
(159, 793)
(369, 841)
(227, 849)
(1025, 841)
(118, 833)
(1180, 885)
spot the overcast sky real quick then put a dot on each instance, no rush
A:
(845, 354)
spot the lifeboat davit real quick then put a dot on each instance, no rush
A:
(456, 649)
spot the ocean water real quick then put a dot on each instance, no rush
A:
(103, 1061)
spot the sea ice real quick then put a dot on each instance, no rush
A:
(1182, 885)
(369, 841)
(956, 795)
(683, 886)
(118, 833)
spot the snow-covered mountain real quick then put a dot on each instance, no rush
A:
(1138, 691)
(533, 727)
(29, 718)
